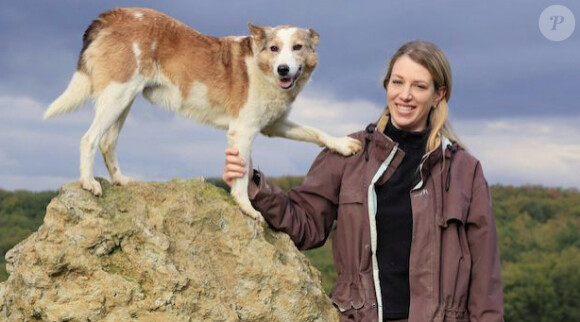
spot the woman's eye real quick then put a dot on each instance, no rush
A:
(274, 49)
(397, 82)
(297, 47)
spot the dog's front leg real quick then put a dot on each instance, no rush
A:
(288, 129)
(241, 137)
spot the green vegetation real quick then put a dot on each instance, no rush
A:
(538, 229)
(539, 237)
(21, 213)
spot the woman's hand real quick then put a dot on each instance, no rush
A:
(234, 168)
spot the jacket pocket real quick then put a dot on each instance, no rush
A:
(348, 293)
(349, 195)
(455, 209)
(351, 205)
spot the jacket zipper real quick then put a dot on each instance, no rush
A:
(372, 211)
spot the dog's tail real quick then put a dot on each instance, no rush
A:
(80, 87)
(75, 95)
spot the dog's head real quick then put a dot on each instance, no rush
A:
(287, 54)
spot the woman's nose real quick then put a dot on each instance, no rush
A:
(406, 93)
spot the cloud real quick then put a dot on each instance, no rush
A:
(40, 155)
(338, 117)
(33, 183)
(520, 151)
(5, 161)
(155, 144)
(18, 108)
(28, 144)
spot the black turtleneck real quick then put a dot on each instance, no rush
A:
(395, 223)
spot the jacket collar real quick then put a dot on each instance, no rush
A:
(446, 149)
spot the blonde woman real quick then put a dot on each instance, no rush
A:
(415, 236)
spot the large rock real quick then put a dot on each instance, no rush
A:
(177, 251)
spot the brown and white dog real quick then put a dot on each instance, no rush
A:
(244, 85)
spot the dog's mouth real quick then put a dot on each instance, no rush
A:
(288, 82)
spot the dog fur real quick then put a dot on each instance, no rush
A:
(233, 83)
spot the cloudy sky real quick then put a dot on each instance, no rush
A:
(514, 102)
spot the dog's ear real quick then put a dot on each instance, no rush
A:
(314, 36)
(258, 34)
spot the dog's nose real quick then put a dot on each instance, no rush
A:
(283, 70)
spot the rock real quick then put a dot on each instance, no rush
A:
(176, 251)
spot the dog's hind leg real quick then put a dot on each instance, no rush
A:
(108, 146)
(241, 136)
(111, 103)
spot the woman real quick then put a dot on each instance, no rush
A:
(415, 237)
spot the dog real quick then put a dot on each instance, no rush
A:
(244, 85)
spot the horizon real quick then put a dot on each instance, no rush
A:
(215, 180)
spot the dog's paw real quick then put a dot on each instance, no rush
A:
(92, 185)
(345, 146)
(121, 180)
(254, 214)
(248, 210)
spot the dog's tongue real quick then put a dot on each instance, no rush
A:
(285, 82)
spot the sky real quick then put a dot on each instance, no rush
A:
(514, 101)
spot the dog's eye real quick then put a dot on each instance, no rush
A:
(297, 47)
(274, 49)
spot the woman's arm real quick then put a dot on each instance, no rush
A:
(306, 213)
(485, 292)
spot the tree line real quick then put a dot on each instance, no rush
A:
(538, 230)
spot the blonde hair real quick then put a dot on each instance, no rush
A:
(434, 60)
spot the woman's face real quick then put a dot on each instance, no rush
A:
(411, 94)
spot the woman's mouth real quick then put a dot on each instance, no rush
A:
(404, 109)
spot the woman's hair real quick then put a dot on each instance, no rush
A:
(434, 60)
